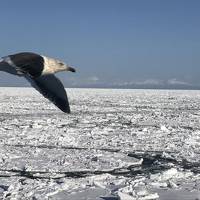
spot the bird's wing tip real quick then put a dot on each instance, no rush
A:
(66, 111)
(64, 108)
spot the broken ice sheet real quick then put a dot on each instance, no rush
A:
(45, 153)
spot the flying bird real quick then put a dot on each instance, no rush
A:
(39, 70)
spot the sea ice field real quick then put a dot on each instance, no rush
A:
(115, 145)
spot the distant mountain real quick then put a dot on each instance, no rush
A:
(95, 82)
(170, 84)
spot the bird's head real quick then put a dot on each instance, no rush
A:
(54, 65)
(65, 67)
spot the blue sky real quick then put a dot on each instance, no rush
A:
(111, 42)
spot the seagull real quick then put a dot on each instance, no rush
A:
(39, 70)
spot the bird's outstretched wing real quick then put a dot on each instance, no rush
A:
(51, 88)
(26, 63)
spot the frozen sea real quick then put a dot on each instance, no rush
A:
(115, 145)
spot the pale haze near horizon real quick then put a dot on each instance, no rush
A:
(111, 43)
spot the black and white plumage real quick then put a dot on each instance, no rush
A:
(39, 71)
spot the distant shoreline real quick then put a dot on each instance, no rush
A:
(117, 88)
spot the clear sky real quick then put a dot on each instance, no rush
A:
(110, 42)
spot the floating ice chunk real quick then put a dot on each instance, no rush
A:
(146, 195)
(171, 184)
(145, 130)
(142, 193)
(102, 181)
(138, 182)
(128, 190)
(49, 121)
(169, 178)
(150, 197)
(37, 125)
(124, 196)
(169, 173)
(163, 128)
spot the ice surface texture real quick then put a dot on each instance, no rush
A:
(116, 144)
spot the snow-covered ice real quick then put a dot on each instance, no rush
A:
(116, 145)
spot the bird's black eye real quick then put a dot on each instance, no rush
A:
(61, 63)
